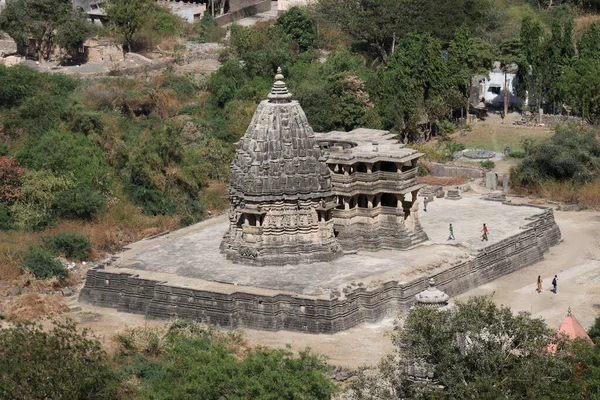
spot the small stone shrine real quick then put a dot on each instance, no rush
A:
(454, 194)
(433, 297)
(280, 189)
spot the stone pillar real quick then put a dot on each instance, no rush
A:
(346, 204)
(369, 201)
(369, 168)
(346, 169)
(491, 180)
(506, 182)
(399, 202)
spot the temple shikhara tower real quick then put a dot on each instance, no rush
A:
(280, 189)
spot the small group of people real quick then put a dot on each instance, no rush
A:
(484, 231)
(554, 284)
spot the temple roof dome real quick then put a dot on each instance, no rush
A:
(278, 158)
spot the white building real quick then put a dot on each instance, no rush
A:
(491, 88)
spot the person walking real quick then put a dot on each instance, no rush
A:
(451, 237)
(554, 283)
(485, 233)
(425, 204)
(539, 284)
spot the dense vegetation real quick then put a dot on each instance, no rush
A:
(481, 351)
(179, 361)
(567, 163)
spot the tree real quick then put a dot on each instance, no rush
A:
(594, 331)
(62, 362)
(532, 71)
(299, 25)
(589, 44)
(74, 32)
(509, 54)
(468, 56)
(413, 77)
(41, 21)
(480, 351)
(128, 17)
(560, 51)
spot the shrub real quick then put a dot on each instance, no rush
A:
(572, 155)
(71, 245)
(446, 127)
(42, 264)
(6, 221)
(487, 164)
(82, 204)
(62, 363)
(207, 367)
(66, 154)
(33, 209)
(183, 86)
(10, 179)
(207, 30)
(517, 154)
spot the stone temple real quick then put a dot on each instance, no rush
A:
(324, 233)
(300, 197)
(280, 189)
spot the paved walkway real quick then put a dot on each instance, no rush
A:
(576, 261)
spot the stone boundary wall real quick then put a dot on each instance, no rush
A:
(257, 8)
(557, 119)
(158, 300)
(450, 170)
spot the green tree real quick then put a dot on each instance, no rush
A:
(128, 18)
(589, 44)
(61, 362)
(560, 51)
(594, 331)
(532, 71)
(74, 32)
(468, 56)
(298, 24)
(481, 351)
(43, 22)
(510, 54)
(578, 87)
(409, 90)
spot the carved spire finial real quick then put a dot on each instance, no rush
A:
(279, 92)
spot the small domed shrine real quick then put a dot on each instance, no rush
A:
(433, 297)
(280, 189)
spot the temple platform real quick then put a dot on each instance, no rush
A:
(183, 273)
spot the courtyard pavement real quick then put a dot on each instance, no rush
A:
(194, 253)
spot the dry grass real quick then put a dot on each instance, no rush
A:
(568, 193)
(214, 197)
(497, 136)
(443, 180)
(152, 339)
(589, 195)
(31, 306)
